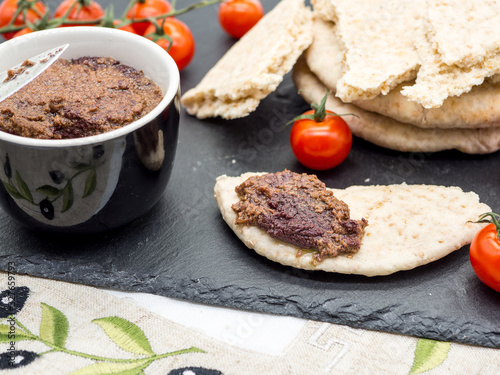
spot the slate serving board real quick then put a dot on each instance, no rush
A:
(183, 248)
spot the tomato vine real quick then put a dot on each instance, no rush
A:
(18, 17)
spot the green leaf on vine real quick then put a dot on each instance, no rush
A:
(428, 355)
(68, 197)
(53, 326)
(49, 191)
(108, 368)
(90, 183)
(23, 188)
(7, 334)
(125, 334)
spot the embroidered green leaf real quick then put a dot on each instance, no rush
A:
(23, 188)
(68, 197)
(125, 334)
(108, 368)
(428, 355)
(8, 334)
(90, 183)
(53, 326)
(11, 189)
(49, 191)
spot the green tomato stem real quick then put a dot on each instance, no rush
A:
(200, 4)
(493, 219)
(319, 110)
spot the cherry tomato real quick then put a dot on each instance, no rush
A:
(128, 27)
(484, 255)
(182, 46)
(114, 24)
(145, 9)
(86, 10)
(36, 10)
(320, 139)
(238, 16)
(24, 31)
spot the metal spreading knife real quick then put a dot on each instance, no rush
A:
(20, 75)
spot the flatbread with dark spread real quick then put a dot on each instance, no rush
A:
(409, 226)
(300, 210)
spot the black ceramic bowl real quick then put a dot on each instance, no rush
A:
(101, 182)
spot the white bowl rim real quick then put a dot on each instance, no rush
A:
(168, 98)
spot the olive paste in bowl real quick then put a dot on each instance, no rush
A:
(88, 145)
(78, 98)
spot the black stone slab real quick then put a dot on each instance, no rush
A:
(183, 248)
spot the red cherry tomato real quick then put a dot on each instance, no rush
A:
(24, 31)
(182, 46)
(128, 27)
(321, 145)
(238, 16)
(145, 9)
(86, 10)
(484, 256)
(8, 8)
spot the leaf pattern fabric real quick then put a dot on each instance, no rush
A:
(61, 328)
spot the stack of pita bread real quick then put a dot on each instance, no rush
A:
(421, 75)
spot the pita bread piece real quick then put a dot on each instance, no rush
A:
(254, 66)
(387, 132)
(326, 53)
(465, 31)
(478, 108)
(408, 226)
(378, 40)
(437, 81)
